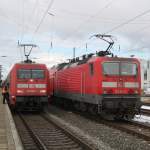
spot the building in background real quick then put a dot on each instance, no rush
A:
(145, 74)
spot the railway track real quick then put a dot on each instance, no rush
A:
(145, 112)
(134, 128)
(40, 133)
(146, 104)
(131, 127)
(137, 129)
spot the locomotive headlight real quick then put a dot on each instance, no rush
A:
(105, 91)
(19, 91)
(136, 91)
(31, 80)
(13, 98)
(42, 91)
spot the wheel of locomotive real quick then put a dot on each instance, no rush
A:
(129, 116)
(41, 108)
(92, 109)
(65, 104)
(76, 105)
(60, 102)
(83, 107)
(119, 117)
(108, 116)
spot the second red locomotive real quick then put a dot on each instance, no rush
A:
(110, 86)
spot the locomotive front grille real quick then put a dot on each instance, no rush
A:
(114, 102)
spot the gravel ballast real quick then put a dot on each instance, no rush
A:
(101, 136)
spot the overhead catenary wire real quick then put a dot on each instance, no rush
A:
(21, 32)
(35, 7)
(43, 17)
(128, 21)
(130, 52)
(89, 18)
(141, 29)
(23, 22)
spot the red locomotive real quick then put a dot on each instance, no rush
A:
(110, 86)
(28, 86)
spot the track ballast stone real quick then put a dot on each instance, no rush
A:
(103, 136)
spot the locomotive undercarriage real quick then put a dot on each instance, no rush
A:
(30, 103)
(108, 106)
(121, 106)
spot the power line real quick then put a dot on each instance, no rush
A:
(89, 18)
(144, 28)
(128, 21)
(43, 17)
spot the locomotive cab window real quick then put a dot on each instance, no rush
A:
(24, 74)
(30, 74)
(38, 74)
(91, 69)
(120, 68)
(128, 69)
(111, 68)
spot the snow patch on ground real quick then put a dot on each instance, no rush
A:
(142, 118)
(145, 107)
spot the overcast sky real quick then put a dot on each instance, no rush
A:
(70, 23)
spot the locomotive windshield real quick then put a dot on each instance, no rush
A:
(119, 68)
(30, 74)
(128, 69)
(111, 68)
(37, 74)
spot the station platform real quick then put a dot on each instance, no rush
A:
(9, 138)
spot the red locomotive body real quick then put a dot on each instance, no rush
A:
(110, 86)
(28, 86)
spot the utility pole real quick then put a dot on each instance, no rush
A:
(74, 52)
(27, 54)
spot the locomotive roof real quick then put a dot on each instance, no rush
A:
(113, 58)
(29, 64)
(22, 63)
(91, 59)
(26, 65)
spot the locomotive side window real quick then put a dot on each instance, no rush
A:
(38, 74)
(128, 69)
(91, 68)
(111, 68)
(24, 74)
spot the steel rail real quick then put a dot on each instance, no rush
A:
(34, 136)
(68, 133)
(49, 134)
(134, 128)
(140, 130)
(145, 112)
